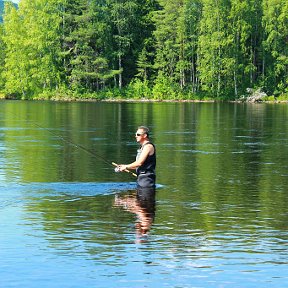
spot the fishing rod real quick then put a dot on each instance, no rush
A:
(83, 148)
(79, 147)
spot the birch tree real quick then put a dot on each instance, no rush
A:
(275, 22)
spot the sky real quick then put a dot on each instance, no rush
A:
(15, 1)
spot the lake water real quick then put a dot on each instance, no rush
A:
(219, 218)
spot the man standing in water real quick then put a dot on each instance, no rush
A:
(145, 162)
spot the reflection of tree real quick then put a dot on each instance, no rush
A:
(142, 205)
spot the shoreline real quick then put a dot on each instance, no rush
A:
(115, 100)
(142, 100)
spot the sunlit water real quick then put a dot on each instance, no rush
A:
(220, 214)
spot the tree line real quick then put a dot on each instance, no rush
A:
(162, 49)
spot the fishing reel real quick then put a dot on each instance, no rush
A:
(117, 169)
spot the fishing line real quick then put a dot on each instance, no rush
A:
(73, 144)
(81, 147)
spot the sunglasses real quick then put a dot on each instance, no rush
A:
(139, 134)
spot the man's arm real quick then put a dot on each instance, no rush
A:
(147, 150)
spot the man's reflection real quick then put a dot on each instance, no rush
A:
(143, 205)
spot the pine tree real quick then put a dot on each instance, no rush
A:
(87, 45)
(177, 28)
(144, 64)
(167, 52)
(146, 50)
(76, 43)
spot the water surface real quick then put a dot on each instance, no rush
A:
(219, 218)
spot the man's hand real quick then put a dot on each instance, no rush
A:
(122, 167)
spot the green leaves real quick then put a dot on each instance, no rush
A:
(31, 40)
(275, 20)
(195, 46)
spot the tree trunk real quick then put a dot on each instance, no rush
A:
(120, 74)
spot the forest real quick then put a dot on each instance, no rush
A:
(144, 49)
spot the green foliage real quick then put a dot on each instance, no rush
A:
(164, 88)
(269, 98)
(85, 34)
(2, 5)
(2, 57)
(138, 89)
(275, 19)
(282, 97)
(159, 49)
(175, 45)
(32, 47)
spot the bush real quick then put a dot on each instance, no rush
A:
(283, 97)
(138, 89)
(164, 88)
(269, 98)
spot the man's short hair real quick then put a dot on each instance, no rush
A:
(145, 129)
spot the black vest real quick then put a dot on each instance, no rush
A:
(149, 164)
(146, 172)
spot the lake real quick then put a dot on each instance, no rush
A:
(219, 217)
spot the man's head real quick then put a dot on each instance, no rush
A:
(142, 133)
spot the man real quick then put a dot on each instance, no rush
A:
(145, 162)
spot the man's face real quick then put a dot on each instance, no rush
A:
(140, 135)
